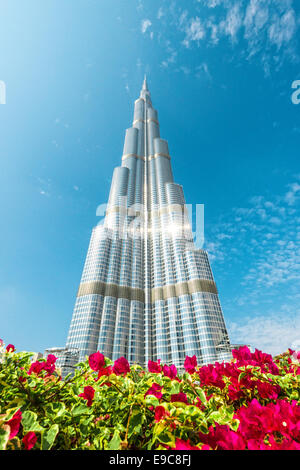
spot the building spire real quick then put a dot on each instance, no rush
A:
(145, 85)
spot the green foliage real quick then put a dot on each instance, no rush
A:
(122, 414)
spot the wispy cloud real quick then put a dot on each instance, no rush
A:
(145, 25)
(266, 29)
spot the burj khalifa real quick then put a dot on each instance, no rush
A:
(147, 292)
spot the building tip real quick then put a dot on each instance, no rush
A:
(145, 85)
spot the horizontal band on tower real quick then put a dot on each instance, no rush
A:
(156, 155)
(143, 120)
(157, 293)
(132, 155)
(150, 157)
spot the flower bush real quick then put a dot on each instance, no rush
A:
(249, 403)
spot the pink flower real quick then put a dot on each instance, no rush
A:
(160, 413)
(221, 437)
(180, 444)
(29, 440)
(96, 361)
(179, 397)
(121, 366)
(170, 371)
(88, 394)
(190, 364)
(242, 354)
(155, 390)
(10, 348)
(154, 367)
(14, 424)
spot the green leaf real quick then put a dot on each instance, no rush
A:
(55, 410)
(4, 436)
(151, 400)
(81, 410)
(48, 437)
(166, 437)
(175, 388)
(135, 423)
(115, 442)
(30, 423)
(201, 395)
(10, 413)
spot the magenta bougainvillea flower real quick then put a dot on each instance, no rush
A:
(184, 445)
(154, 367)
(14, 424)
(170, 371)
(96, 361)
(179, 397)
(104, 371)
(155, 390)
(88, 394)
(10, 348)
(160, 413)
(121, 366)
(190, 364)
(48, 366)
(29, 440)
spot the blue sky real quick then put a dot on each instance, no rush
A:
(220, 74)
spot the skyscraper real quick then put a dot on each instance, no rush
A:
(146, 291)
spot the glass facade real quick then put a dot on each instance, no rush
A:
(146, 292)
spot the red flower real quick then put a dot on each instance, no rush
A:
(154, 367)
(49, 365)
(160, 413)
(179, 397)
(29, 440)
(267, 390)
(10, 348)
(155, 390)
(88, 394)
(170, 371)
(36, 367)
(14, 424)
(184, 445)
(104, 371)
(190, 364)
(121, 366)
(96, 361)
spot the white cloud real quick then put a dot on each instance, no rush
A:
(233, 21)
(145, 25)
(292, 194)
(272, 334)
(195, 31)
(282, 28)
(160, 13)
